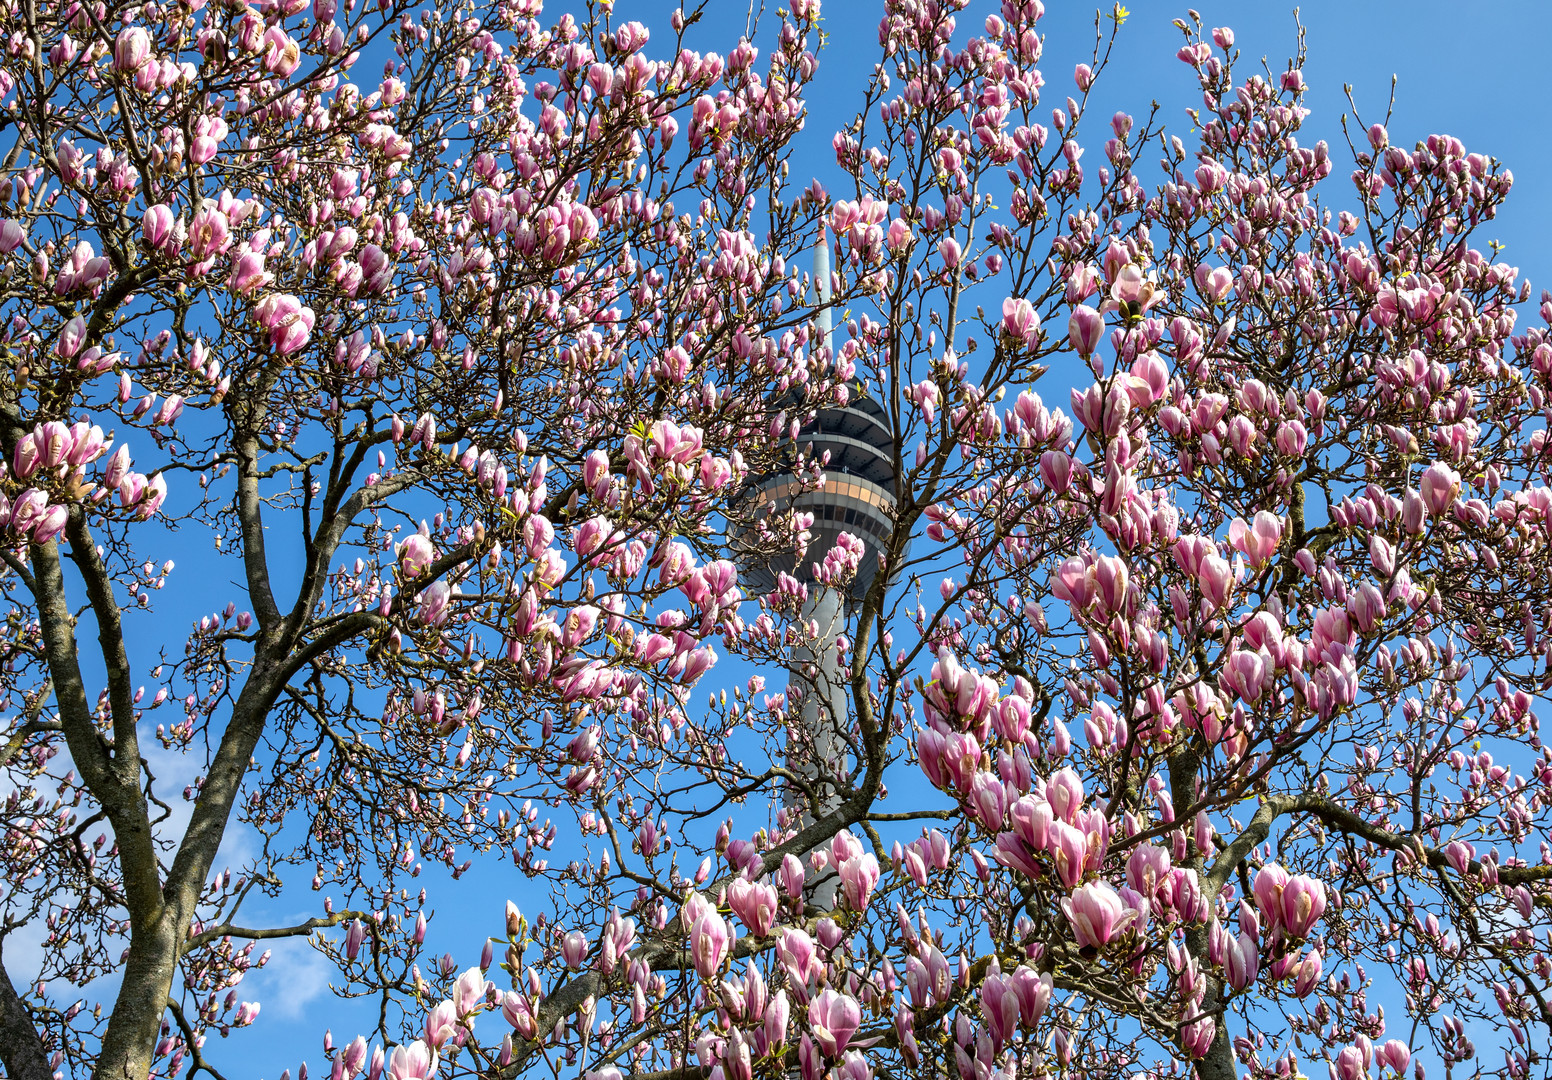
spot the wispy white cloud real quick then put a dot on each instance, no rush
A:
(174, 771)
(295, 976)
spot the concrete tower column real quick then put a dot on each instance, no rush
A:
(855, 442)
(826, 714)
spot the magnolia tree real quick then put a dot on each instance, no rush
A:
(447, 382)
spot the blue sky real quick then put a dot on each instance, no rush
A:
(1476, 70)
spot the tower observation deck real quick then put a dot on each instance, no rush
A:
(857, 496)
(858, 492)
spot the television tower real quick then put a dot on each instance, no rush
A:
(857, 497)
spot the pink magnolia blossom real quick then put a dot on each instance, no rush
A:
(50, 524)
(131, 49)
(1020, 322)
(1215, 578)
(355, 934)
(1351, 1064)
(12, 233)
(1084, 328)
(792, 875)
(434, 603)
(754, 904)
(1147, 869)
(1271, 880)
(574, 948)
(1440, 486)
(796, 953)
(416, 1061)
(1307, 974)
(441, 1025)
(1242, 961)
(1395, 1055)
(154, 494)
(1000, 1008)
(353, 1058)
(708, 943)
(1245, 675)
(1258, 541)
(833, 1017)
(519, 1013)
(1197, 1036)
(859, 874)
(71, 338)
(1097, 915)
(1303, 902)
(288, 323)
(1132, 289)
(248, 273)
(1069, 849)
(1064, 791)
(416, 554)
(209, 233)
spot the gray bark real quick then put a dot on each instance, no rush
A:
(1218, 1063)
(21, 1051)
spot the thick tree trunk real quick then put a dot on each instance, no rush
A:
(1218, 1063)
(158, 937)
(21, 1051)
(159, 926)
(136, 1022)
